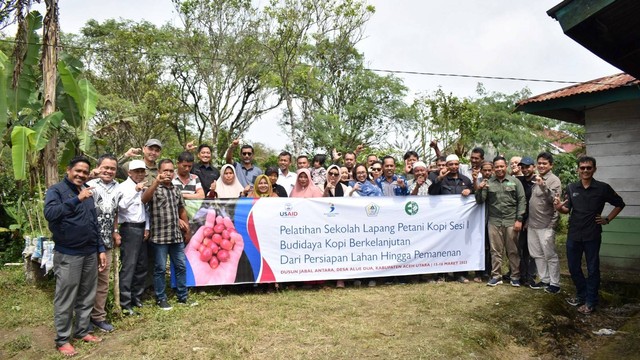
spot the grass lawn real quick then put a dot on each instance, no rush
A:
(413, 321)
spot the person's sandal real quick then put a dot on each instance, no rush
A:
(585, 309)
(91, 339)
(67, 350)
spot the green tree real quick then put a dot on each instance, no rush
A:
(361, 108)
(452, 121)
(331, 99)
(506, 132)
(127, 62)
(224, 80)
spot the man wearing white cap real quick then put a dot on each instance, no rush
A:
(420, 183)
(449, 181)
(134, 230)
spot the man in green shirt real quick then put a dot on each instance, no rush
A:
(506, 202)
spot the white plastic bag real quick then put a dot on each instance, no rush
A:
(29, 246)
(47, 256)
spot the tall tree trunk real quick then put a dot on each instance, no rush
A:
(49, 73)
(292, 120)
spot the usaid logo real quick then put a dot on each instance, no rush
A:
(372, 209)
(288, 211)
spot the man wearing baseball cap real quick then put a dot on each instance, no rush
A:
(150, 153)
(528, 180)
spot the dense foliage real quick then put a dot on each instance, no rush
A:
(228, 65)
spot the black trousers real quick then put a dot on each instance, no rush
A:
(134, 259)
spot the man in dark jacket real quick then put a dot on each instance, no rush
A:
(450, 182)
(79, 253)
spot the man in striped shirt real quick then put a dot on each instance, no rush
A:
(188, 183)
(169, 232)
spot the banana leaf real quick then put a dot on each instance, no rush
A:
(41, 129)
(21, 145)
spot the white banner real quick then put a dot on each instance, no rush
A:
(290, 239)
(342, 238)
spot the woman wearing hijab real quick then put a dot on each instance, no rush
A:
(375, 170)
(334, 187)
(262, 188)
(228, 185)
(304, 188)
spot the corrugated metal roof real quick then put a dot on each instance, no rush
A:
(597, 85)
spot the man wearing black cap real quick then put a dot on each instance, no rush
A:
(528, 180)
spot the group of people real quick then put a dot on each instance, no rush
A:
(90, 214)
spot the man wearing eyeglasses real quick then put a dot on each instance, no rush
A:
(585, 201)
(245, 170)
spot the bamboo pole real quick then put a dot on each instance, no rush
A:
(116, 280)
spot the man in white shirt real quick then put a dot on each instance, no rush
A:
(134, 231)
(286, 178)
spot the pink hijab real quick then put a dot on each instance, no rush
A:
(310, 191)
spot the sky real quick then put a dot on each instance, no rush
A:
(496, 38)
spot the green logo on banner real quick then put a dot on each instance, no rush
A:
(411, 208)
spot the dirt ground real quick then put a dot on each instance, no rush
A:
(396, 321)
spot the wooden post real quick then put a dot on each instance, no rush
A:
(116, 279)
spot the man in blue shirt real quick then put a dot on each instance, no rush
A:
(245, 170)
(390, 183)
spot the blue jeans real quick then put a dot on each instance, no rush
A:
(178, 262)
(586, 288)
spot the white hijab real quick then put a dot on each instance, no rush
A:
(228, 191)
